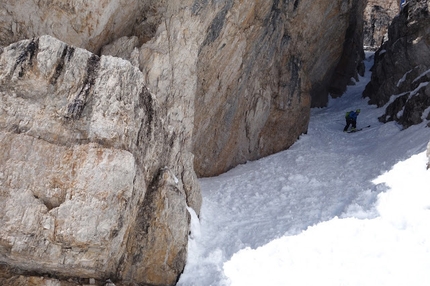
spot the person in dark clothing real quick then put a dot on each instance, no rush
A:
(351, 119)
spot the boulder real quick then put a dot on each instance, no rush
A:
(93, 183)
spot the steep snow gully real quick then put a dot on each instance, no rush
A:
(321, 212)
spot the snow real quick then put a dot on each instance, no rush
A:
(403, 78)
(334, 209)
(416, 90)
(421, 75)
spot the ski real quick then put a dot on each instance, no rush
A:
(356, 130)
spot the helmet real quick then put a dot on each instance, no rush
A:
(358, 111)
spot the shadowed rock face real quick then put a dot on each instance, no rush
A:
(401, 73)
(261, 67)
(378, 15)
(101, 153)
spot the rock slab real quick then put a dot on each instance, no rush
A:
(91, 183)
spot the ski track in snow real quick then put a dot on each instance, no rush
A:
(326, 174)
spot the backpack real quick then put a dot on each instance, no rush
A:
(347, 114)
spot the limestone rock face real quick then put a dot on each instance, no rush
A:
(261, 67)
(378, 15)
(82, 23)
(250, 71)
(401, 73)
(93, 184)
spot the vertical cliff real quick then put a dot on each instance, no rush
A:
(261, 67)
(378, 15)
(401, 74)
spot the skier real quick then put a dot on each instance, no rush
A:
(351, 119)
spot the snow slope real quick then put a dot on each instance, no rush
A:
(331, 210)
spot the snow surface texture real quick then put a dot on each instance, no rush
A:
(335, 209)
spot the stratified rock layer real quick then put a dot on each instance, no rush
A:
(92, 183)
(82, 23)
(401, 73)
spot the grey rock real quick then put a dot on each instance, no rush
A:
(86, 159)
(402, 67)
(378, 15)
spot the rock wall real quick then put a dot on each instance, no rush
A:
(93, 183)
(253, 69)
(378, 15)
(401, 74)
(82, 23)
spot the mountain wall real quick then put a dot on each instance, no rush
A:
(253, 70)
(378, 15)
(110, 109)
(86, 24)
(401, 74)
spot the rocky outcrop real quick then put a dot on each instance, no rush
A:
(401, 73)
(378, 15)
(85, 24)
(93, 183)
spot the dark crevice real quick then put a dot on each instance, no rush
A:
(296, 5)
(27, 56)
(144, 217)
(76, 107)
(149, 109)
(217, 25)
(70, 52)
(146, 129)
(66, 54)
